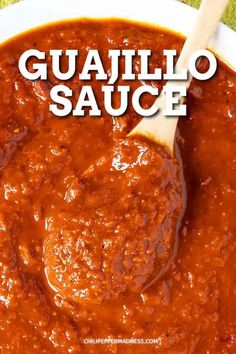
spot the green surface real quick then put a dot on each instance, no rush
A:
(6, 2)
(229, 17)
(230, 14)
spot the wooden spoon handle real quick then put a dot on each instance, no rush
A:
(209, 15)
(162, 129)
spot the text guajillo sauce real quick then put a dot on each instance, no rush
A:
(100, 235)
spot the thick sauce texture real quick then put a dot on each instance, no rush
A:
(102, 236)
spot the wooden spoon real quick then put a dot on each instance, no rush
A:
(160, 128)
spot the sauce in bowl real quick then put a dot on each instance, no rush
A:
(91, 244)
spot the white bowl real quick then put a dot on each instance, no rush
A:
(171, 14)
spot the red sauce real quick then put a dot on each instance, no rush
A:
(92, 244)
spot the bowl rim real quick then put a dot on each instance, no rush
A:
(169, 14)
